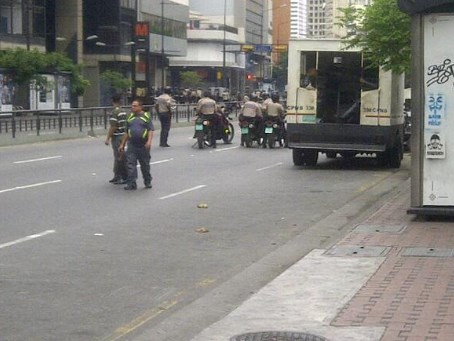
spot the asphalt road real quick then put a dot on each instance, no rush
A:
(81, 259)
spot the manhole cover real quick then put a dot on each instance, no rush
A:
(365, 228)
(361, 251)
(277, 336)
(426, 252)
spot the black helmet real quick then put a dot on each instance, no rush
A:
(275, 97)
(168, 90)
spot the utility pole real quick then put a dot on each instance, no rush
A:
(224, 78)
(162, 46)
(28, 22)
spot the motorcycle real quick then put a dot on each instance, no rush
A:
(204, 129)
(225, 128)
(250, 132)
(273, 132)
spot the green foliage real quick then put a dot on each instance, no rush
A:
(190, 79)
(116, 80)
(382, 31)
(28, 66)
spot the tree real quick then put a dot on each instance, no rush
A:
(116, 80)
(29, 66)
(190, 79)
(382, 31)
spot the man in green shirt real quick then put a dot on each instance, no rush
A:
(138, 135)
(114, 135)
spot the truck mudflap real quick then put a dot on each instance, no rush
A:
(343, 137)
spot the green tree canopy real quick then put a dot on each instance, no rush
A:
(116, 80)
(190, 79)
(28, 66)
(382, 31)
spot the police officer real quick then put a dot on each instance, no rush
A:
(207, 108)
(252, 111)
(139, 134)
(275, 111)
(164, 109)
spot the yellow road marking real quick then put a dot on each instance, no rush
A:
(136, 323)
(380, 178)
(151, 314)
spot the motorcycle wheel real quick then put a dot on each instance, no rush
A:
(207, 139)
(271, 140)
(200, 141)
(248, 141)
(229, 136)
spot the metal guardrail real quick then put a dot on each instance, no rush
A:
(82, 118)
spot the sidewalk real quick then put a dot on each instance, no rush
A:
(390, 279)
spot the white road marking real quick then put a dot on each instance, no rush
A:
(158, 162)
(224, 149)
(41, 159)
(268, 167)
(26, 239)
(182, 192)
(30, 186)
(161, 161)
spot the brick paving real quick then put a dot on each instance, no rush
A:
(412, 296)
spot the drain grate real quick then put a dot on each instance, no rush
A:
(427, 252)
(277, 336)
(361, 251)
(364, 228)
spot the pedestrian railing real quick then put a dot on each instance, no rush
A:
(83, 119)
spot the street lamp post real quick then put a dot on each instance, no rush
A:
(162, 47)
(224, 80)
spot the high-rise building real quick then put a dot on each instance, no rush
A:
(299, 18)
(322, 17)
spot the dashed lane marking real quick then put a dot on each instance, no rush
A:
(225, 149)
(29, 186)
(268, 167)
(182, 192)
(26, 239)
(40, 159)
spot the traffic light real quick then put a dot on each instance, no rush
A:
(249, 76)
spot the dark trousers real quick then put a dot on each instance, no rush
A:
(142, 155)
(119, 165)
(165, 119)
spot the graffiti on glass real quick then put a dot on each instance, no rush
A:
(440, 73)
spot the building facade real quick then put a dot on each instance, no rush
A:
(23, 24)
(226, 43)
(111, 43)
